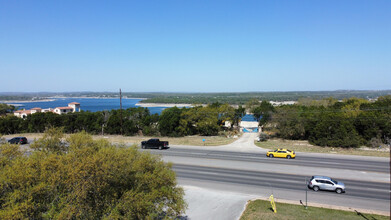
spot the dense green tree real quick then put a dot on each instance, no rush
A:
(263, 112)
(290, 123)
(10, 124)
(200, 120)
(207, 121)
(151, 125)
(374, 120)
(351, 108)
(169, 122)
(226, 113)
(140, 120)
(369, 125)
(88, 121)
(114, 123)
(187, 123)
(239, 113)
(39, 122)
(5, 109)
(87, 180)
(334, 129)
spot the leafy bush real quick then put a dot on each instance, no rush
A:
(263, 137)
(87, 180)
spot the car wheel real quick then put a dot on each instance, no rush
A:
(288, 157)
(338, 190)
(316, 188)
(160, 147)
(271, 155)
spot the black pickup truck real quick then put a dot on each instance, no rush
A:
(154, 143)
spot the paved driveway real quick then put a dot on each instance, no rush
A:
(206, 203)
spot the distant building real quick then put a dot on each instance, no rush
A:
(63, 110)
(22, 113)
(35, 110)
(72, 107)
(249, 124)
(283, 103)
(75, 106)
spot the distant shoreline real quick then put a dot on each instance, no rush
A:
(26, 101)
(166, 105)
(92, 97)
(51, 99)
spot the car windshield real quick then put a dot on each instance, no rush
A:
(276, 150)
(335, 182)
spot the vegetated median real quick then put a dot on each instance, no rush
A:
(304, 146)
(262, 209)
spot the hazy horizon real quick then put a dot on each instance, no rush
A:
(246, 92)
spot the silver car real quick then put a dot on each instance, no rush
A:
(326, 183)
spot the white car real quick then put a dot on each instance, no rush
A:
(326, 183)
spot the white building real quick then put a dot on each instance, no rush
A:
(72, 107)
(35, 110)
(249, 124)
(22, 113)
(63, 110)
(75, 106)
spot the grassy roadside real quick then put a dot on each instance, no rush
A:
(261, 209)
(304, 146)
(188, 140)
(299, 146)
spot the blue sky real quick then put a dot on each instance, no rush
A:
(194, 46)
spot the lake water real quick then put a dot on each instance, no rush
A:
(87, 104)
(97, 104)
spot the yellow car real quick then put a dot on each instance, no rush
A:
(285, 153)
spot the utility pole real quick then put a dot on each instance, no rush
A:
(306, 192)
(120, 107)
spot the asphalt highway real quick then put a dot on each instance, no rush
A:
(359, 189)
(248, 172)
(304, 160)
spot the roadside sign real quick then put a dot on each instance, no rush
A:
(273, 204)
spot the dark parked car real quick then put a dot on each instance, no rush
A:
(154, 143)
(18, 140)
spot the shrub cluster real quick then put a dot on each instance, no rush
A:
(350, 123)
(85, 179)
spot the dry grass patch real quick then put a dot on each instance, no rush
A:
(29, 136)
(188, 140)
(304, 146)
